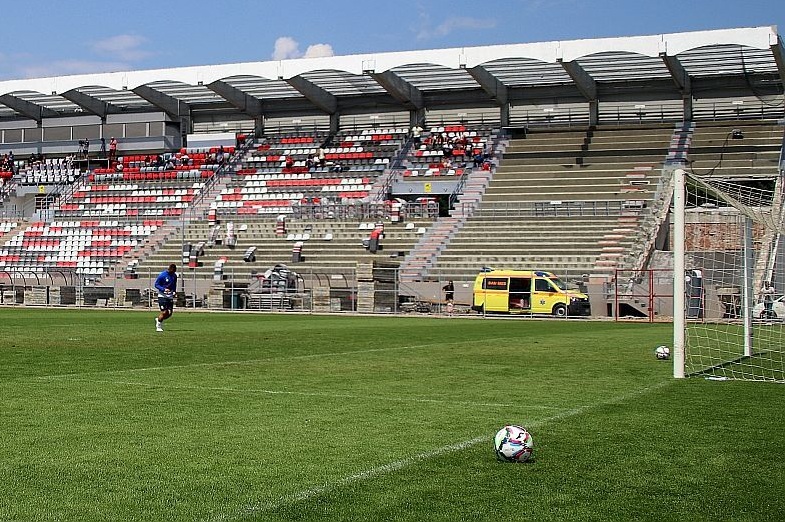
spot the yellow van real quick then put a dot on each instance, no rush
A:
(527, 292)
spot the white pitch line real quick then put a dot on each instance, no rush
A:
(310, 394)
(304, 495)
(265, 359)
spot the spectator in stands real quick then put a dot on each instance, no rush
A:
(479, 158)
(102, 149)
(321, 156)
(374, 240)
(416, 135)
(220, 157)
(112, 149)
(447, 149)
(289, 162)
(449, 295)
(166, 284)
(86, 148)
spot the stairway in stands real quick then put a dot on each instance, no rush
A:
(415, 266)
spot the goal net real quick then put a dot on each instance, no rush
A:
(729, 247)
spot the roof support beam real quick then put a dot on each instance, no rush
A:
(315, 94)
(682, 80)
(250, 105)
(400, 89)
(679, 74)
(177, 109)
(504, 115)
(489, 83)
(586, 85)
(31, 110)
(169, 104)
(778, 51)
(90, 103)
(416, 117)
(583, 81)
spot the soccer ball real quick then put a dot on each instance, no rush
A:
(513, 444)
(662, 352)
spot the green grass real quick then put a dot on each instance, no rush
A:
(242, 417)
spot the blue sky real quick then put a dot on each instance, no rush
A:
(62, 38)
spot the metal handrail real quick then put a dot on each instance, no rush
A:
(599, 208)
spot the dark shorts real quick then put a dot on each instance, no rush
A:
(166, 303)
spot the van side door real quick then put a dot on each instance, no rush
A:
(544, 297)
(494, 294)
(520, 298)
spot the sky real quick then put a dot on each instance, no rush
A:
(56, 38)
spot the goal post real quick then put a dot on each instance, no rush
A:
(729, 278)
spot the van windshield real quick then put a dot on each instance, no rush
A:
(559, 283)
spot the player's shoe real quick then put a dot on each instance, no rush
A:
(159, 327)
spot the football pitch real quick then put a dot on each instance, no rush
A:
(240, 417)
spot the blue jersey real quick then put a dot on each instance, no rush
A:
(166, 281)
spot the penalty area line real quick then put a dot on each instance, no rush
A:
(384, 469)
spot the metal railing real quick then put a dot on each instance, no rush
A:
(364, 289)
(532, 209)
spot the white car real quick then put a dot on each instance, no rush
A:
(777, 309)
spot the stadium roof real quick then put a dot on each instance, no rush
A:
(678, 64)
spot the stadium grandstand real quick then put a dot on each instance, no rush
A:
(364, 182)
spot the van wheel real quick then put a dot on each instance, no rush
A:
(560, 310)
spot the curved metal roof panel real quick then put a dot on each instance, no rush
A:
(191, 94)
(622, 66)
(525, 72)
(48, 101)
(341, 83)
(727, 59)
(263, 87)
(429, 77)
(118, 98)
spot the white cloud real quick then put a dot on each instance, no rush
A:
(319, 51)
(126, 47)
(66, 67)
(286, 47)
(117, 53)
(460, 23)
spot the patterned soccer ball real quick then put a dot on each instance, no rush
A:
(662, 352)
(513, 444)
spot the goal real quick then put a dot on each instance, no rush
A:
(730, 269)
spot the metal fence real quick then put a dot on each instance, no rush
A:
(364, 289)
